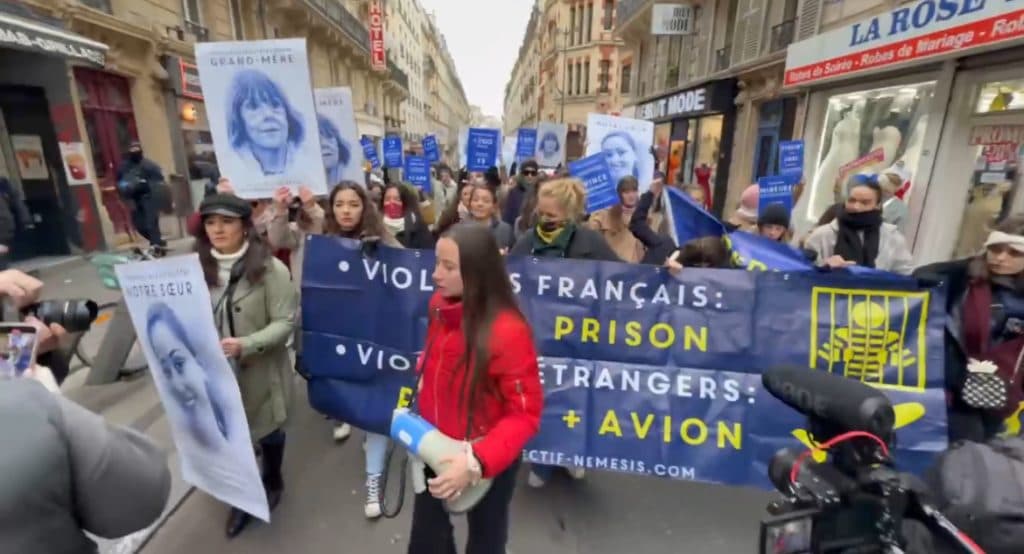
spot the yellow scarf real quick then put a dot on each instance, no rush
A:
(549, 237)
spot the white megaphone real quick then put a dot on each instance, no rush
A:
(426, 443)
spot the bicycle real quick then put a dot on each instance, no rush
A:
(119, 354)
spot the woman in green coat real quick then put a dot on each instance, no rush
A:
(254, 307)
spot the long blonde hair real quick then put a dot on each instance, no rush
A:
(569, 193)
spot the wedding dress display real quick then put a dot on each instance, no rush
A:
(843, 150)
(888, 140)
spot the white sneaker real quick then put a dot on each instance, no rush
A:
(372, 508)
(342, 431)
(535, 481)
(577, 472)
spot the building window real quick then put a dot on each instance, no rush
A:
(609, 11)
(192, 11)
(572, 25)
(590, 21)
(579, 77)
(627, 71)
(236, 20)
(579, 28)
(586, 77)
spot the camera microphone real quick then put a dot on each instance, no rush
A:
(833, 399)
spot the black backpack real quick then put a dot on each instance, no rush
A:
(980, 488)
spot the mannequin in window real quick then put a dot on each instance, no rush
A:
(985, 203)
(887, 137)
(912, 153)
(843, 149)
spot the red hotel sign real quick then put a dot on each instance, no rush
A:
(924, 30)
(378, 57)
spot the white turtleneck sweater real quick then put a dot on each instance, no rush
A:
(224, 264)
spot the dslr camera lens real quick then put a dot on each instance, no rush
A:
(74, 315)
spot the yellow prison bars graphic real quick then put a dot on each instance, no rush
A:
(876, 337)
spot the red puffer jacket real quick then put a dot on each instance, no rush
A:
(508, 408)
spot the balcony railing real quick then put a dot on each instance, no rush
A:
(722, 58)
(101, 5)
(783, 35)
(397, 75)
(349, 23)
(626, 10)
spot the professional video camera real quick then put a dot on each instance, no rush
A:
(856, 501)
(74, 315)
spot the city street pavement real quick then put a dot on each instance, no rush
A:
(322, 509)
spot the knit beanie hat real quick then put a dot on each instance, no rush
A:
(774, 214)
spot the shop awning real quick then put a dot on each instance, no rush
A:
(41, 38)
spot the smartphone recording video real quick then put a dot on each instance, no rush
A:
(17, 350)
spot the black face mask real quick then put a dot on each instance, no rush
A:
(135, 156)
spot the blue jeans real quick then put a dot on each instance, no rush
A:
(376, 450)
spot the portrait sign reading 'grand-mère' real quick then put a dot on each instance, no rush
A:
(264, 123)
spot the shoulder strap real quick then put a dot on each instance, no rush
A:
(227, 299)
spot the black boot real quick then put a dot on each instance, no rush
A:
(237, 522)
(273, 457)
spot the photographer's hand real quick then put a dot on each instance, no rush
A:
(47, 338)
(21, 288)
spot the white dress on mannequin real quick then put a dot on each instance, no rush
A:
(843, 150)
(912, 154)
(888, 140)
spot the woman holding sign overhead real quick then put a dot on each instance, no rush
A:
(479, 383)
(254, 307)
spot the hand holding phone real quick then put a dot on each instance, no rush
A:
(18, 346)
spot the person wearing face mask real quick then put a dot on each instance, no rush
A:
(558, 234)
(613, 222)
(139, 180)
(985, 307)
(254, 305)
(402, 217)
(859, 236)
(529, 171)
(483, 210)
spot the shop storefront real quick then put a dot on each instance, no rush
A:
(693, 136)
(42, 156)
(898, 94)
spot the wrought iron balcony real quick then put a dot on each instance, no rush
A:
(722, 58)
(101, 5)
(350, 24)
(783, 35)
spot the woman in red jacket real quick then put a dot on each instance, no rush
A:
(480, 383)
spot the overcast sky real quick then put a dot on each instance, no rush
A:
(483, 37)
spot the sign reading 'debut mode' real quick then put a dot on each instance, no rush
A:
(672, 19)
(691, 101)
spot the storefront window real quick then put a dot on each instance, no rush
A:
(709, 138)
(662, 136)
(1000, 96)
(994, 189)
(873, 131)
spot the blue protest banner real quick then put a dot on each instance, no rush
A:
(430, 149)
(370, 151)
(597, 178)
(791, 158)
(393, 151)
(776, 189)
(417, 172)
(526, 144)
(644, 372)
(482, 147)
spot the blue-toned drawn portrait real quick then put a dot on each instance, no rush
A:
(620, 150)
(263, 127)
(334, 150)
(549, 149)
(194, 401)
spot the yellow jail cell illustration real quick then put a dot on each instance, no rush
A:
(873, 340)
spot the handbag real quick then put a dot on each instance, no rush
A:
(984, 388)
